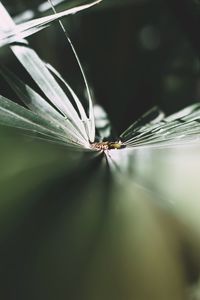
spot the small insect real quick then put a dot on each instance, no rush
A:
(108, 145)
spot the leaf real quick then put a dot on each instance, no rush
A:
(81, 110)
(18, 32)
(154, 115)
(41, 107)
(63, 4)
(180, 128)
(44, 79)
(12, 114)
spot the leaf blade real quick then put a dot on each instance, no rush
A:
(26, 29)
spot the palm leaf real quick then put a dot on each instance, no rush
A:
(40, 106)
(12, 114)
(179, 128)
(15, 33)
(49, 86)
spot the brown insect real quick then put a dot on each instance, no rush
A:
(108, 145)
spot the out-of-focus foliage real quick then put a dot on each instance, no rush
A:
(71, 227)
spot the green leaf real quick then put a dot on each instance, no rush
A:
(87, 121)
(18, 32)
(12, 114)
(178, 129)
(38, 105)
(44, 79)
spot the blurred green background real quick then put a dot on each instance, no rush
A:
(71, 227)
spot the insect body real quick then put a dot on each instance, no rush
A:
(108, 145)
